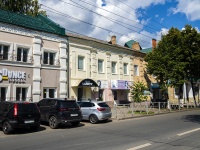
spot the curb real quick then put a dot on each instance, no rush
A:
(140, 116)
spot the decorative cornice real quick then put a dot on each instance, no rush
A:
(30, 33)
(80, 46)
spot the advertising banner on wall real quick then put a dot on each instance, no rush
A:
(119, 84)
(103, 84)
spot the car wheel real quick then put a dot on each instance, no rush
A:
(53, 123)
(93, 119)
(75, 123)
(7, 129)
(106, 120)
(35, 127)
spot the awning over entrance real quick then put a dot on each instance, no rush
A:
(88, 82)
(155, 85)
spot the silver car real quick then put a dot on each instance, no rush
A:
(95, 111)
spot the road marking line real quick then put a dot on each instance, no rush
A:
(139, 147)
(180, 134)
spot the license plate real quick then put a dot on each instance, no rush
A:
(73, 115)
(29, 121)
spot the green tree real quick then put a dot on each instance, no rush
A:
(175, 59)
(137, 92)
(28, 7)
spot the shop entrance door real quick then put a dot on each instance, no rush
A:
(80, 94)
(2, 94)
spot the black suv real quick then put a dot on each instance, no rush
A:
(16, 114)
(59, 111)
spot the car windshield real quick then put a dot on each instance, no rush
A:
(68, 104)
(103, 105)
(27, 107)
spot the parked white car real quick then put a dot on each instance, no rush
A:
(95, 111)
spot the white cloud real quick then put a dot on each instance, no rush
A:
(126, 15)
(197, 29)
(189, 7)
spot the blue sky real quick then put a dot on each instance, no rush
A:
(127, 19)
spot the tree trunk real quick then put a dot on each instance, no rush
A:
(180, 95)
(187, 93)
(193, 92)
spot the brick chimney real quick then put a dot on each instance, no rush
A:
(153, 43)
(113, 40)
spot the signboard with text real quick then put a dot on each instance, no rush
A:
(12, 76)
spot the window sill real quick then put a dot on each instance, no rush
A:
(101, 72)
(81, 70)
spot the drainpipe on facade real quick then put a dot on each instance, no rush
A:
(68, 71)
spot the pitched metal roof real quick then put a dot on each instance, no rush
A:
(147, 50)
(40, 23)
(129, 43)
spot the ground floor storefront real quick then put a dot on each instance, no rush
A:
(103, 90)
(30, 84)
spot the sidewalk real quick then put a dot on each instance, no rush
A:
(126, 113)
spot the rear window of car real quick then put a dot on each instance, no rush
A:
(29, 107)
(103, 105)
(68, 104)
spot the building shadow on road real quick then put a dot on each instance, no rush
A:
(26, 130)
(192, 118)
(63, 126)
(100, 122)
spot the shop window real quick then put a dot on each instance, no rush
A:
(2, 94)
(49, 93)
(114, 94)
(3, 52)
(100, 65)
(21, 94)
(22, 54)
(114, 69)
(136, 70)
(81, 63)
(49, 58)
(125, 68)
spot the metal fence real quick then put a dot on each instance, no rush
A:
(120, 111)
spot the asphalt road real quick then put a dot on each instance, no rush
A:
(174, 131)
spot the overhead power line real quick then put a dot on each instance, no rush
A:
(144, 14)
(108, 18)
(120, 16)
(68, 16)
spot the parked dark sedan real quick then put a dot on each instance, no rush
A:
(59, 111)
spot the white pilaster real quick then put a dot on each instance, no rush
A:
(63, 69)
(37, 44)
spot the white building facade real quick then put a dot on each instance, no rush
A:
(33, 63)
(99, 70)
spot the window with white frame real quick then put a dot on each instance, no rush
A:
(49, 58)
(22, 54)
(49, 93)
(100, 66)
(125, 68)
(114, 69)
(4, 52)
(81, 62)
(136, 70)
(21, 93)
